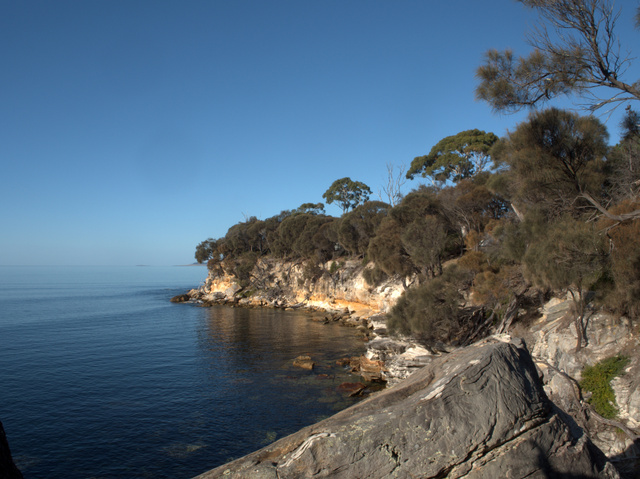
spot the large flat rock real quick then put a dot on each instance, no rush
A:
(479, 412)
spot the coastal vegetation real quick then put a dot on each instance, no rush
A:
(501, 223)
(597, 380)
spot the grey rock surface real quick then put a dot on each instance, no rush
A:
(478, 412)
(8, 469)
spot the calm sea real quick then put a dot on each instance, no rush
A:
(102, 377)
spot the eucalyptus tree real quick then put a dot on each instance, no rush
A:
(206, 250)
(455, 157)
(356, 228)
(347, 193)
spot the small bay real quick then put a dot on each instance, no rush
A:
(101, 376)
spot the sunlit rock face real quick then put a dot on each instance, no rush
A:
(479, 412)
(553, 338)
(335, 286)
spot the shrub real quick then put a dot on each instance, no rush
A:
(311, 271)
(475, 261)
(597, 379)
(374, 276)
(624, 241)
(431, 312)
(242, 267)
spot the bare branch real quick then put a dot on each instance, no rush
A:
(396, 179)
(576, 51)
(634, 215)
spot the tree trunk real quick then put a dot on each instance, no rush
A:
(581, 328)
(510, 314)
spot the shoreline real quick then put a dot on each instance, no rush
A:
(386, 360)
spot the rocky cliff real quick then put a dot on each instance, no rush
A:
(479, 412)
(333, 286)
(551, 336)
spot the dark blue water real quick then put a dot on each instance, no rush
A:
(102, 377)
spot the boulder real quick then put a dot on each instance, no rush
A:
(304, 362)
(478, 412)
(352, 389)
(371, 369)
(8, 469)
(181, 298)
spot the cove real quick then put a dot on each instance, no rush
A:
(104, 377)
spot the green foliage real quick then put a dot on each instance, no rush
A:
(597, 379)
(624, 294)
(630, 125)
(356, 228)
(374, 276)
(570, 254)
(311, 271)
(247, 236)
(206, 250)
(425, 240)
(386, 249)
(431, 312)
(289, 231)
(554, 157)
(242, 266)
(470, 206)
(510, 229)
(306, 244)
(455, 157)
(623, 161)
(583, 53)
(326, 241)
(416, 204)
(311, 208)
(347, 193)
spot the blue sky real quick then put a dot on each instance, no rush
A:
(132, 130)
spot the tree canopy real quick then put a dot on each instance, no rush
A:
(580, 55)
(554, 157)
(347, 193)
(455, 157)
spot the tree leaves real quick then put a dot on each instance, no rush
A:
(455, 157)
(581, 55)
(347, 193)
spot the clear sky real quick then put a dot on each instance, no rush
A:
(131, 130)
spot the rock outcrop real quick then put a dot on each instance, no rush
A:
(553, 338)
(279, 283)
(478, 412)
(8, 469)
(343, 295)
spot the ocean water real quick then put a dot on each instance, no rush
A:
(102, 377)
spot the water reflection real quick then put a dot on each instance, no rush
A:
(253, 392)
(268, 338)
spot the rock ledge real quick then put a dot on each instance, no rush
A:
(477, 412)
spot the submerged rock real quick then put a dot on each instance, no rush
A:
(478, 412)
(304, 362)
(352, 389)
